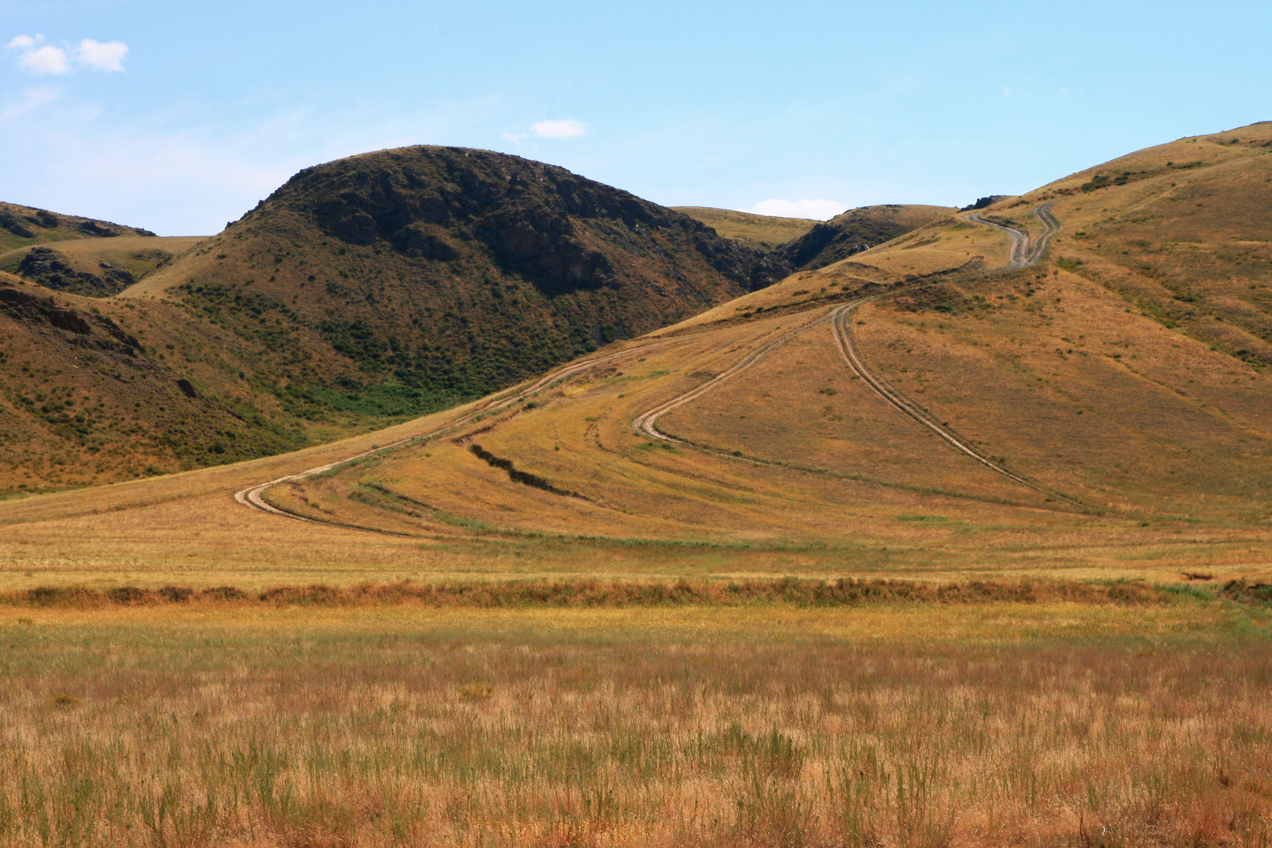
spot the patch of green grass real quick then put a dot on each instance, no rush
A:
(386, 400)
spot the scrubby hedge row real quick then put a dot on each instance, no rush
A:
(591, 593)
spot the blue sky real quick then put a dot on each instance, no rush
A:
(179, 117)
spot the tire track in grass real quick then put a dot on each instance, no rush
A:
(1021, 254)
(843, 339)
(254, 496)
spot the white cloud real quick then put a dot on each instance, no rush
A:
(108, 56)
(819, 210)
(558, 129)
(47, 59)
(44, 60)
(515, 139)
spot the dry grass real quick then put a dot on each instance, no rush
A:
(763, 231)
(960, 726)
(139, 255)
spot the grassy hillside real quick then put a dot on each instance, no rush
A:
(762, 231)
(1116, 438)
(92, 391)
(1140, 435)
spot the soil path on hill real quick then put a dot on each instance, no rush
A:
(1021, 254)
(647, 422)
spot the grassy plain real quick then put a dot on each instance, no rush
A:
(768, 725)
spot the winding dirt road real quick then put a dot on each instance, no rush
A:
(647, 422)
(1021, 255)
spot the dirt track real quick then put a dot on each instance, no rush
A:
(1021, 254)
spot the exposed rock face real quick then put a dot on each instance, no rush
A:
(44, 266)
(94, 331)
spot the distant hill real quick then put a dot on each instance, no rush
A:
(765, 232)
(93, 266)
(25, 225)
(855, 231)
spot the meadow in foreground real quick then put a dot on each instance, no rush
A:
(908, 724)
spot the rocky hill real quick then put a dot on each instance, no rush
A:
(24, 225)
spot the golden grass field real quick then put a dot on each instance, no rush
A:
(882, 724)
(442, 654)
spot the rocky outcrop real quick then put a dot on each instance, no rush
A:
(983, 202)
(43, 265)
(93, 331)
(11, 223)
(30, 223)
